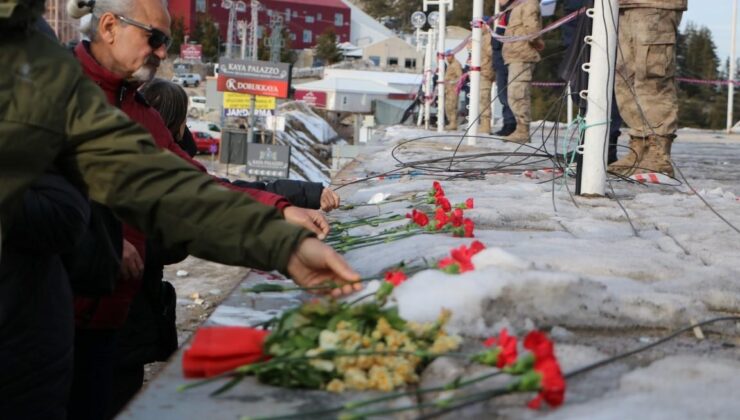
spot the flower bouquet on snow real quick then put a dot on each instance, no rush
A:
(445, 218)
(366, 345)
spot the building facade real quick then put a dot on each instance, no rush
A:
(306, 20)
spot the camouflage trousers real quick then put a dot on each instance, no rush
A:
(485, 103)
(645, 82)
(451, 102)
(519, 91)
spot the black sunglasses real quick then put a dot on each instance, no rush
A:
(157, 38)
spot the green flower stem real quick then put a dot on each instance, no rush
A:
(353, 405)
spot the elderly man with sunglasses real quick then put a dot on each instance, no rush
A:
(126, 42)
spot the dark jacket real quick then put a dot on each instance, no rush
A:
(299, 193)
(36, 325)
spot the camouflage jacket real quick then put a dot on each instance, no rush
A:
(656, 4)
(525, 19)
(453, 73)
(52, 115)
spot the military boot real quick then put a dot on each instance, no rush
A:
(484, 126)
(627, 165)
(657, 157)
(520, 135)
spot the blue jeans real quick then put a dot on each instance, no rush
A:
(502, 77)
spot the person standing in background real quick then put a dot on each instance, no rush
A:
(645, 83)
(502, 75)
(453, 73)
(521, 57)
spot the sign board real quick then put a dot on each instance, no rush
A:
(231, 112)
(275, 123)
(311, 97)
(268, 160)
(191, 52)
(242, 101)
(254, 77)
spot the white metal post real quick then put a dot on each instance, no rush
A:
(731, 76)
(428, 81)
(243, 26)
(475, 59)
(442, 28)
(601, 70)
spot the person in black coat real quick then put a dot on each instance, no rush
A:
(36, 315)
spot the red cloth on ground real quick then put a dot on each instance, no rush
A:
(216, 350)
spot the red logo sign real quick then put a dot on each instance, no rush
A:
(275, 88)
(191, 52)
(313, 98)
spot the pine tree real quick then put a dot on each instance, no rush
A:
(326, 47)
(207, 34)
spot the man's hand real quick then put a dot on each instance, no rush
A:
(131, 264)
(307, 218)
(314, 263)
(329, 200)
(538, 44)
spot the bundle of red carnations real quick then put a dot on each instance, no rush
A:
(445, 218)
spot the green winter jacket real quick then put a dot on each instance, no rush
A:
(52, 115)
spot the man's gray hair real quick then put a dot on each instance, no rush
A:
(89, 12)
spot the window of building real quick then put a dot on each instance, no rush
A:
(287, 14)
(338, 19)
(292, 36)
(410, 63)
(309, 19)
(375, 59)
(295, 13)
(392, 61)
(200, 6)
(307, 36)
(318, 17)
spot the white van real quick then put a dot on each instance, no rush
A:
(197, 106)
(211, 128)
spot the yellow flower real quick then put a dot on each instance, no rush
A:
(445, 343)
(380, 379)
(321, 364)
(335, 386)
(328, 340)
(356, 379)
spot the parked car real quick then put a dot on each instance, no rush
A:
(205, 142)
(187, 79)
(211, 128)
(197, 106)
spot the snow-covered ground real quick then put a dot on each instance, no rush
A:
(576, 267)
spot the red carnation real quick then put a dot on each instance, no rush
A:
(444, 203)
(469, 203)
(395, 277)
(449, 265)
(552, 384)
(457, 218)
(462, 257)
(438, 188)
(418, 217)
(476, 247)
(507, 345)
(469, 226)
(441, 217)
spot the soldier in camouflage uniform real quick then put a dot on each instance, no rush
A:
(521, 57)
(645, 83)
(53, 117)
(486, 80)
(453, 73)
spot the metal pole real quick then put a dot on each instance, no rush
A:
(230, 31)
(428, 80)
(253, 100)
(441, 66)
(731, 76)
(475, 59)
(243, 26)
(600, 68)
